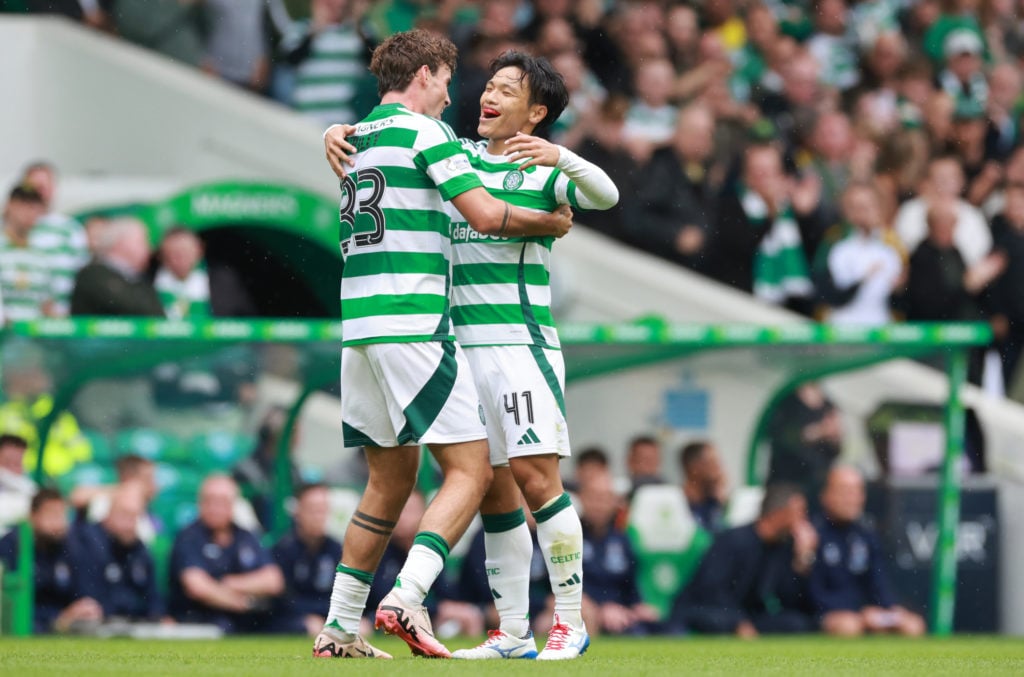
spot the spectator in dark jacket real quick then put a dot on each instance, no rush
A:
(753, 579)
(1008, 289)
(307, 557)
(219, 572)
(61, 601)
(940, 286)
(673, 207)
(611, 599)
(848, 584)
(115, 282)
(118, 570)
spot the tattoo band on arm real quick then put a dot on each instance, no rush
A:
(504, 220)
(380, 527)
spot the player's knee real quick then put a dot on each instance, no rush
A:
(538, 484)
(397, 486)
(843, 624)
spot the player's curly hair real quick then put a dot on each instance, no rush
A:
(396, 60)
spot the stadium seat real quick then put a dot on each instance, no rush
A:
(219, 450)
(156, 445)
(177, 478)
(85, 474)
(744, 506)
(175, 509)
(667, 541)
(102, 452)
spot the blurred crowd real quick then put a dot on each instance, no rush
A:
(856, 161)
(787, 558)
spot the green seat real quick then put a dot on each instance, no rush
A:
(86, 474)
(156, 445)
(175, 509)
(102, 452)
(219, 450)
(177, 478)
(667, 542)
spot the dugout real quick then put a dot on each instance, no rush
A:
(281, 241)
(191, 439)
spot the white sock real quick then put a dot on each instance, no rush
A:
(348, 599)
(560, 536)
(422, 567)
(509, 550)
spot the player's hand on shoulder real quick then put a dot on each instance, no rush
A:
(536, 150)
(338, 150)
(562, 221)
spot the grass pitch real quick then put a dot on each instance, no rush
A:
(290, 657)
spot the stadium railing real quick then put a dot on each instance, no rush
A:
(81, 351)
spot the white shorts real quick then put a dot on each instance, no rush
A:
(521, 390)
(395, 394)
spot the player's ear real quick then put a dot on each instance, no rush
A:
(538, 112)
(423, 74)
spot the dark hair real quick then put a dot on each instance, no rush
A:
(129, 464)
(691, 453)
(396, 60)
(304, 489)
(777, 496)
(43, 496)
(24, 192)
(545, 84)
(7, 439)
(592, 455)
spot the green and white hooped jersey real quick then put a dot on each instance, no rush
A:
(184, 299)
(26, 279)
(63, 238)
(396, 228)
(501, 292)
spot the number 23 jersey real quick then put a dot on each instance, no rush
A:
(396, 229)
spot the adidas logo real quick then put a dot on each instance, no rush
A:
(529, 437)
(570, 581)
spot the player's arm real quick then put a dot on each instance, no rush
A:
(490, 216)
(203, 588)
(594, 188)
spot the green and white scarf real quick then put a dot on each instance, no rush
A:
(184, 299)
(780, 267)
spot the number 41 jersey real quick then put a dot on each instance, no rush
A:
(396, 230)
(501, 291)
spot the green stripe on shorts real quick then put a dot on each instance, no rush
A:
(549, 376)
(432, 397)
(356, 438)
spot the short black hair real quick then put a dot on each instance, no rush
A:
(546, 85)
(691, 453)
(304, 489)
(594, 455)
(23, 192)
(777, 496)
(44, 496)
(9, 439)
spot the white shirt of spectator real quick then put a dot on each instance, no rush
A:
(972, 236)
(849, 262)
(655, 125)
